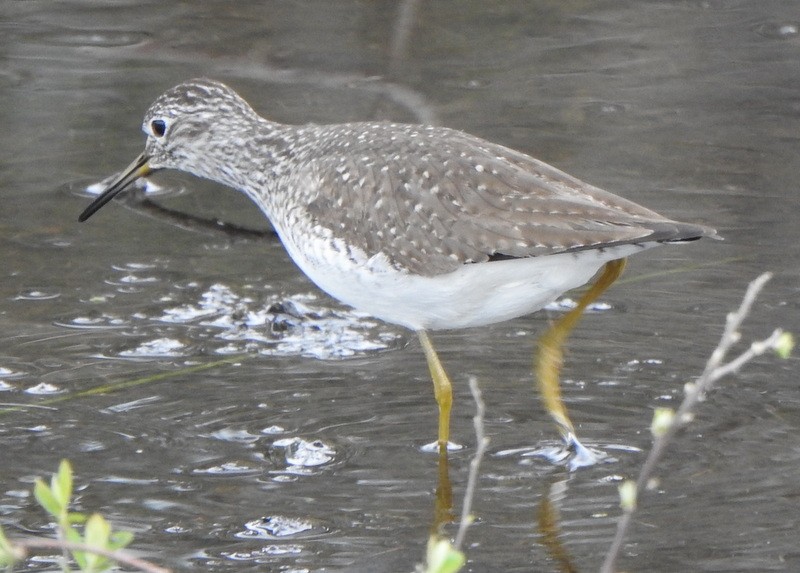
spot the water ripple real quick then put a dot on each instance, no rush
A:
(229, 468)
(44, 389)
(292, 326)
(96, 38)
(279, 526)
(777, 30)
(301, 453)
(38, 294)
(158, 348)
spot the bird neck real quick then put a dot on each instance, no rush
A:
(249, 157)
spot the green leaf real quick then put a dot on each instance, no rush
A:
(120, 540)
(46, 499)
(71, 534)
(627, 495)
(62, 483)
(7, 553)
(443, 557)
(80, 559)
(6, 559)
(96, 535)
(5, 544)
(784, 346)
(76, 517)
(453, 562)
(662, 421)
(97, 531)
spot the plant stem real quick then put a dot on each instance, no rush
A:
(122, 557)
(694, 393)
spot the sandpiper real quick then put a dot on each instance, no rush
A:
(421, 226)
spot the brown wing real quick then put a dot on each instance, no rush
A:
(432, 199)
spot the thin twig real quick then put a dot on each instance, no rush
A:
(401, 36)
(119, 556)
(694, 393)
(474, 465)
(733, 321)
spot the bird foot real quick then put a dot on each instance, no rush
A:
(433, 447)
(581, 457)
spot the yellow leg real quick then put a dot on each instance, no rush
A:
(548, 523)
(549, 357)
(443, 503)
(442, 388)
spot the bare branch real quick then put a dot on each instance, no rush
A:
(694, 392)
(119, 556)
(474, 465)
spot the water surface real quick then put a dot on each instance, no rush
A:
(307, 453)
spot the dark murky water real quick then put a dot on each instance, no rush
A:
(305, 455)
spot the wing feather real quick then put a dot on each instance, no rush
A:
(450, 199)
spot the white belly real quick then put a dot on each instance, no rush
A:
(473, 295)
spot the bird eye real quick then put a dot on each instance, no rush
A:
(158, 127)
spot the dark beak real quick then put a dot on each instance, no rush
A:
(139, 168)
